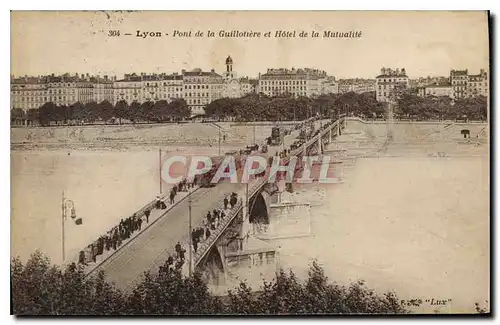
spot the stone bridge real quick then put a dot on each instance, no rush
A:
(151, 248)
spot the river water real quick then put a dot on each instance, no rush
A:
(404, 219)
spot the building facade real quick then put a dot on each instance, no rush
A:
(33, 92)
(436, 89)
(157, 87)
(201, 88)
(28, 92)
(300, 82)
(459, 80)
(128, 89)
(358, 86)
(389, 83)
(102, 89)
(478, 85)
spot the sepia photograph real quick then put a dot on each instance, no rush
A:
(250, 163)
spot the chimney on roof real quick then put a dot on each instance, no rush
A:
(183, 71)
(212, 70)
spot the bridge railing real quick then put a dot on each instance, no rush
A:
(208, 243)
(314, 139)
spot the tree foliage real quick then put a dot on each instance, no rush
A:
(160, 111)
(287, 107)
(39, 288)
(254, 107)
(442, 107)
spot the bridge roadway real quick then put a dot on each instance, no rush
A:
(151, 248)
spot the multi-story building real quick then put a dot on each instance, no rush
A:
(63, 90)
(478, 84)
(33, 92)
(84, 89)
(27, 92)
(201, 88)
(247, 85)
(358, 86)
(436, 89)
(429, 80)
(466, 85)
(103, 89)
(459, 79)
(297, 82)
(389, 83)
(128, 89)
(162, 87)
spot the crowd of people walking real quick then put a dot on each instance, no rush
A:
(115, 237)
(212, 221)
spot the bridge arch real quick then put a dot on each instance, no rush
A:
(212, 267)
(259, 208)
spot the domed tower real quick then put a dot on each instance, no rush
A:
(229, 65)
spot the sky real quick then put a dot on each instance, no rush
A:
(424, 43)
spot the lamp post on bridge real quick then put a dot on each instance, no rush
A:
(65, 205)
(189, 236)
(219, 141)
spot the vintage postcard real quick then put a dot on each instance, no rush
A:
(250, 162)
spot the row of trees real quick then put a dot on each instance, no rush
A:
(39, 288)
(442, 107)
(260, 107)
(287, 107)
(78, 113)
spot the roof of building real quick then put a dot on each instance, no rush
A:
(199, 72)
(151, 77)
(399, 75)
(459, 72)
(439, 85)
(293, 71)
(356, 81)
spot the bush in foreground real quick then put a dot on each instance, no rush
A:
(40, 288)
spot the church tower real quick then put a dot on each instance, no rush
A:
(229, 67)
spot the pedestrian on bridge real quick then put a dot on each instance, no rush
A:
(178, 248)
(147, 213)
(226, 202)
(207, 233)
(181, 255)
(81, 258)
(233, 200)
(172, 195)
(195, 244)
